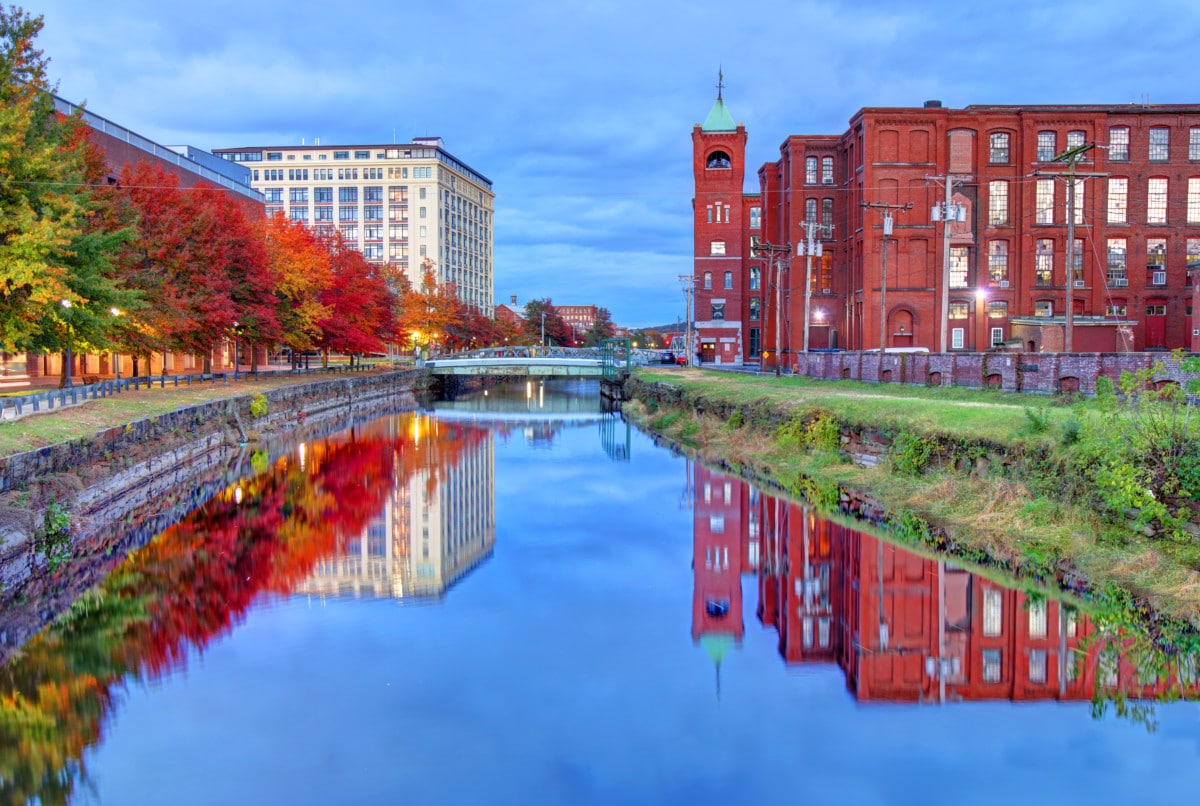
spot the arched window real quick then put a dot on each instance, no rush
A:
(729, 279)
(718, 159)
(810, 170)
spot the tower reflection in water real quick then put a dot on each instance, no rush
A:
(901, 626)
(437, 522)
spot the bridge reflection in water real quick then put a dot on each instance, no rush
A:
(902, 627)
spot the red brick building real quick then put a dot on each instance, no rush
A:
(995, 274)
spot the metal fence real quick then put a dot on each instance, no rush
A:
(20, 405)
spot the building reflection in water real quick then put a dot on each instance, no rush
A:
(901, 626)
(437, 524)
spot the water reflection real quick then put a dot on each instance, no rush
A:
(401, 507)
(903, 627)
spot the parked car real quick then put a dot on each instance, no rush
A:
(666, 357)
(681, 360)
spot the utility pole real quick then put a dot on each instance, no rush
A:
(689, 285)
(1071, 156)
(887, 233)
(947, 212)
(809, 246)
(776, 253)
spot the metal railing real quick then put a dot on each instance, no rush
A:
(37, 402)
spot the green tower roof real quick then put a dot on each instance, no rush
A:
(719, 119)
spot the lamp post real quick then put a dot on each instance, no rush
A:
(235, 351)
(116, 357)
(66, 303)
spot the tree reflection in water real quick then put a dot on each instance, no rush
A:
(192, 584)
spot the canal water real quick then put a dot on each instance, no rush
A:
(515, 598)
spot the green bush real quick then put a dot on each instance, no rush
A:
(52, 540)
(258, 405)
(823, 433)
(910, 454)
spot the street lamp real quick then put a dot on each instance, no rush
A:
(235, 351)
(66, 303)
(116, 358)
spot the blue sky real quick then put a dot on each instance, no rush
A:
(581, 112)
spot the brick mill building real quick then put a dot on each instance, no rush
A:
(980, 238)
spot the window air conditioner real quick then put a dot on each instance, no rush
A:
(1079, 283)
(1120, 282)
(1159, 278)
(1003, 284)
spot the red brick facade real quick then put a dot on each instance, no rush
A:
(1136, 228)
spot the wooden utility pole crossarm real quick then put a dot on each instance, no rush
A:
(775, 253)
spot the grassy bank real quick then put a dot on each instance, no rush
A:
(1035, 485)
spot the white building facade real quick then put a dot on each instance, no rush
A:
(397, 204)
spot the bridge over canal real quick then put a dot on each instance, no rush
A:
(611, 361)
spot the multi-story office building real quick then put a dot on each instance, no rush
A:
(397, 204)
(995, 260)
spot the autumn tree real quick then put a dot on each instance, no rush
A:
(556, 330)
(601, 329)
(360, 307)
(301, 264)
(56, 280)
(430, 312)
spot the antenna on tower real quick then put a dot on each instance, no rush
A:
(720, 81)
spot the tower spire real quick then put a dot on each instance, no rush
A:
(720, 81)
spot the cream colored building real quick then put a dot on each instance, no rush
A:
(396, 204)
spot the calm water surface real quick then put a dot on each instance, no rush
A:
(518, 599)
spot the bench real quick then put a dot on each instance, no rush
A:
(88, 380)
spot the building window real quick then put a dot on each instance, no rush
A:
(1046, 146)
(827, 170)
(1044, 203)
(718, 310)
(993, 611)
(323, 212)
(810, 170)
(1078, 211)
(728, 280)
(273, 156)
(1156, 254)
(420, 212)
(755, 309)
(1076, 139)
(300, 214)
(958, 267)
(1116, 308)
(997, 309)
(956, 338)
(755, 217)
(1117, 265)
(1156, 200)
(997, 337)
(998, 202)
(1044, 262)
(1118, 200)
(347, 195)
(718, 159)
(810, 209)
(958, 310)
(1118, 144)
(1043, 307)
(1193, 200)
(755, 277)
(1037, 618)
(710, 211)
(1077, 262)
(1037, 666)
(1193, 255)
(1156, 310)
(322, 195)
(715, 248)
(1160, 145)
(991, 666)
(708, 281)
(273, 195)
(374, 193)
(999, 149)
(827, 213)
(755, 342)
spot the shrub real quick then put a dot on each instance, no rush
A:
(823, 433)
(910, 454)
(52, 540)
(258, 405)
